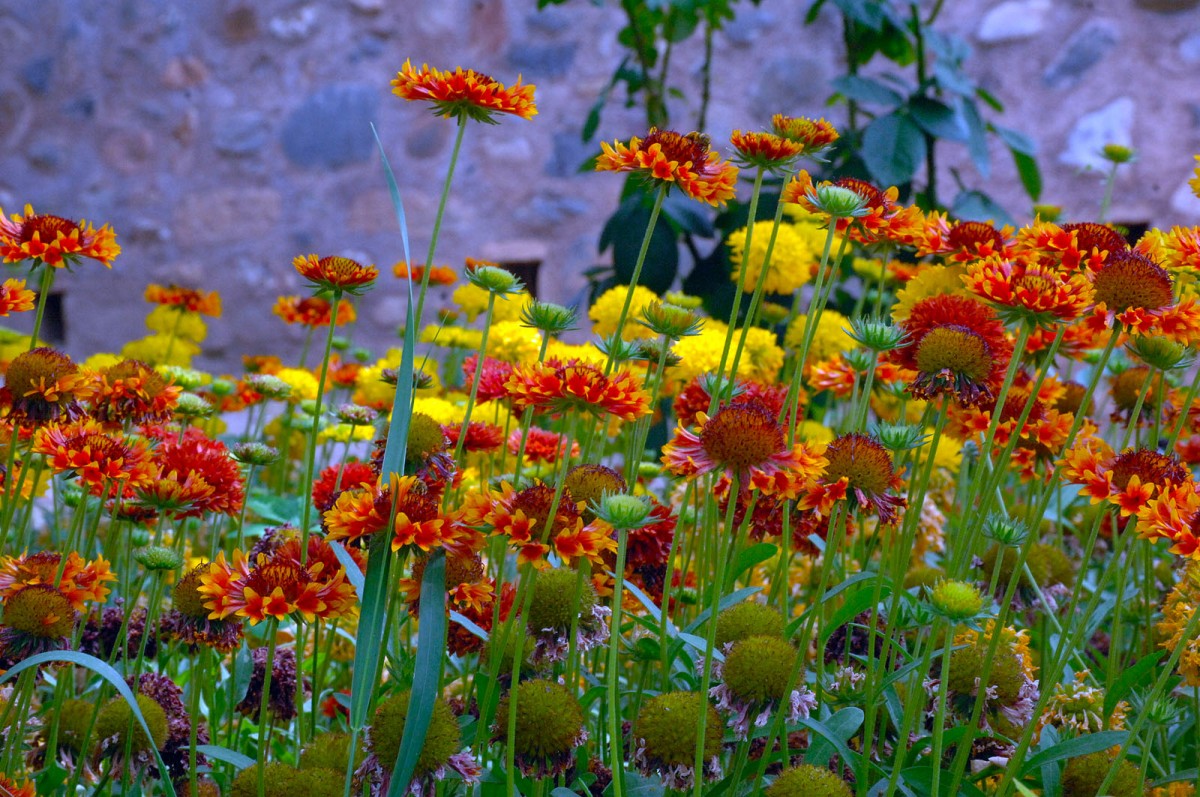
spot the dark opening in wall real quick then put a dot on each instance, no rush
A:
(1133, 230)
(527, 271)
(54, 322)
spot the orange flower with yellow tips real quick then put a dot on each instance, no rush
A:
(873, 216)
(335, 274)
(276, 586)
(419, 521)
(189, 299)
(667, 158)
(765, 150)
(82, 581)
(1025, 288)
(15, 297)
(43, 384)
(1174, 514)
(524, 518)
(438, 275)
(55, 241)
(1127, 480)
(312, 311)
(550, 387)
(813, 135)
(464, 93)
(100, 460)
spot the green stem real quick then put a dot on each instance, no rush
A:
(437, 223)
(43, 295)
(264, 705)
(637, 273)
(611, 674)
(311, 454)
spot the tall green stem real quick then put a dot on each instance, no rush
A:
(637, 273)
(43, 295)
(311, 454)
(437, 223)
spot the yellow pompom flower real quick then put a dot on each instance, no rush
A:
(345, 433)
(302, 382)
(830, 337)
(792, 258)
(513, 342)
(699, 354)
(452, 337)
(762, 357)
(586, 353)
(100, 360)
(814, 432)
(370, 390)
(181, 323)
(1195, 181)
(472, 300)
(441, 410)
(606, 311)
(161, 349)
(931, 281)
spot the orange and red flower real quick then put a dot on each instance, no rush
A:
(962, 241)
(746, 442)
(1174, 514)
(524, 518)
(955, 345)
(438, 275)
(542, 445)
(276, 586)
(1127, 480)
(82, 581)
(551, 387)
(669, 158)
(1029, 289)
(54, 240)
(335, 274)
(859, 469)
(100, 460)
(765, 150)
(133, 392)
(199, 458)
(188, 299)
(364, 510)
(813, 135)
(464, 93)
(44, 385)
(15, 297)
(312, 311)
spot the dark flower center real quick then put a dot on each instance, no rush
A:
(955, 349)
(741, 436)
(865, 463)
(1129, 279)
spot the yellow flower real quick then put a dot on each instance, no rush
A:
(681, 299)
(948, 456)
(792, 258)
(607, 310)
(569, 351)
(345, 433)
(472, 300)
(370, 390)
(452, 337)
(302, 382)
(161, 349)
(868, 268)
(100, 360)
(512, 342)
(440, 409)
(830, 337)
(761, 358)
(183, 324)
(931, 281)
(813, 432)
(1195, 181)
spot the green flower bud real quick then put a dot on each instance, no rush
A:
(495, 279)
(549, 726)
(667, 728)
(255, 454)
(618, 350)
(1005, 530)
(1163, 354)
(956, 600)
(553, 594)
(192, 406)
(269, 386)
(670, 320)
(899, 436)
(222, 387)
(553, 319)
(158, 557)
(757, 669)
(1118, 153)
(441, 740)
(623, 512)
(808, 781)
(876, 334)
(839, 201)
(186, 378)
(746, 620)
(116, 719)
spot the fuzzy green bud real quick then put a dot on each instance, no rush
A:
(758, 668)
(667, 728)
(876, 334)
(623, 512)
(255, 454)
(186, 378)
(899, 436)
(158, 557)
(1161, 353)
(116, 719)
(670, 320)
(553, 595)
(498, 280)
(747, 620)
(956, 600)
(192, 406)
(269, 386)
(441, 739)
(807, 780)
(551, 318)
(838, 201)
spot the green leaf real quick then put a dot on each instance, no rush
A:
(467, 623)
(1131, 677)
(977, 145)
(1073, 748)
(105, 671)
(864, 89)
(893, 148)
(353, 574)
(849, 757)
(733, 598)
(427, 676)
(1183, 774)
(858, 602)
(226, 755)
(842, 725)
(938, 119)
(754, 555)
(563, 791)
(1027, 170)
(1016, 140)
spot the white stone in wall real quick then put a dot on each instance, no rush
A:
(1112, 124)
(1013, 20)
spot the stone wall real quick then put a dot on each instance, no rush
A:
(223, 137)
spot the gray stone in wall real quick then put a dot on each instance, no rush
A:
(240, 134)
(1112, 124)
(1013, 20)
(332, 128)
(1086, 48)
(568, 153)
(1189, 49)
(789, 86)
(36, 74)
(542, 60)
